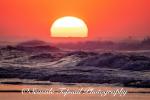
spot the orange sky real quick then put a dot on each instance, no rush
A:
(106, 19)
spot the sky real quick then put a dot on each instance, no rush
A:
(106, 19)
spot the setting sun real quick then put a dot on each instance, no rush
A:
(69, 27)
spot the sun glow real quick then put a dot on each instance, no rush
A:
(69, 27)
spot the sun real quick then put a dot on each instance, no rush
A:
(69, 27)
